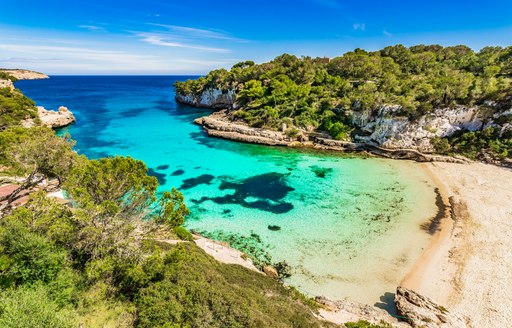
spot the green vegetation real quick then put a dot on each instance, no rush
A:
(320, 93)
(6, 76)
(489, 142)
(14, 108)
(366, 324)
(100, 263)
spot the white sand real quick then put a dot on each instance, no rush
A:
(468, 267)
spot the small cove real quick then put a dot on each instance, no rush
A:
(347, 226)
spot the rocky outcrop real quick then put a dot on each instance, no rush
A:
(343, 311)
(7, 84)
(53, 119)
(209, 98)
(388, 129)
(219, 125)
(414, 310)
(23, 74)
(420, 311)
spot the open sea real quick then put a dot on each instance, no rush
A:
(347, 226)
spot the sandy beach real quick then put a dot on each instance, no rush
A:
(467, 266)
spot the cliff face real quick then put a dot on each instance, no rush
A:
(389, 130)
(23, 74)
(210, 98)
(385, 127)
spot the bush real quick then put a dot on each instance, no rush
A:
(183, 234)
(32, 307)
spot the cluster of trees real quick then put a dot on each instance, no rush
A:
(15, 107)
(319, 93)
(101, 261)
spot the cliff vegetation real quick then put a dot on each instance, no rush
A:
(322, 94)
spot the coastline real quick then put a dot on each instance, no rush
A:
(219, 125)
(466, 265)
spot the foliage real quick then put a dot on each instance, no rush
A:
(7, 76)
(321, 93)
(37, 154)
(477, 145)
(32, 307)
(14, 108)
(197, 291)
(366, 324)
(99, 264)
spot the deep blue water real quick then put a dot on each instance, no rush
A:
(346, 232)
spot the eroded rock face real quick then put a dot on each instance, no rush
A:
(23, 74)
(7, 84)
(344, 311)
(210, 98)
(218, 125)
(53, 119)
(421, 311)
(388, 129)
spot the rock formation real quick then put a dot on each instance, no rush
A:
(7, 84)
(420, 311)
(210, 98)
(53, 119)
(384, 131)
(23, 74)
(388, 129)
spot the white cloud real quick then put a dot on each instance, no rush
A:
(198, 33)
(359, 27)
(93, 28)
(163, 40)
(386, 33)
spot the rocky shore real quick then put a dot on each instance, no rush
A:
(384, 131)
(23, 74)
(56, 119)
(220, 125)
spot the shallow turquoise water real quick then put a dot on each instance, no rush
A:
(348, 226)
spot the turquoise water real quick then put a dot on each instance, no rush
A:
(347, 226)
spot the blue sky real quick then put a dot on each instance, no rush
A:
(195, 36)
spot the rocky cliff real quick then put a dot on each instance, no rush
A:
(383, 129)
(386, 128)
(23, 74)
(52, 119)
(210, 98)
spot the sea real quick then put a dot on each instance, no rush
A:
(347, 225)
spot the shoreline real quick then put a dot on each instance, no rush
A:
(466, 265)
(219, 125)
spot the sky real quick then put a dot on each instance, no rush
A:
(192, 37)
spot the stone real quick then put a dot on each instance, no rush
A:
(53, 119)
(271, 271)
(421, 311)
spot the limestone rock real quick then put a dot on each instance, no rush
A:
(23, 74)
(53, 119)
(271, 271)
(219, 125)
(7, 84)
(421, 311)
(344, 311)
(210, 98)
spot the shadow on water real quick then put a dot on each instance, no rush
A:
(194, 182)
(159, 176)
(265, 192)
(387, 303)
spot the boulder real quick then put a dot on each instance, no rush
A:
(421, 311)
(271, 271)
(53, 119)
